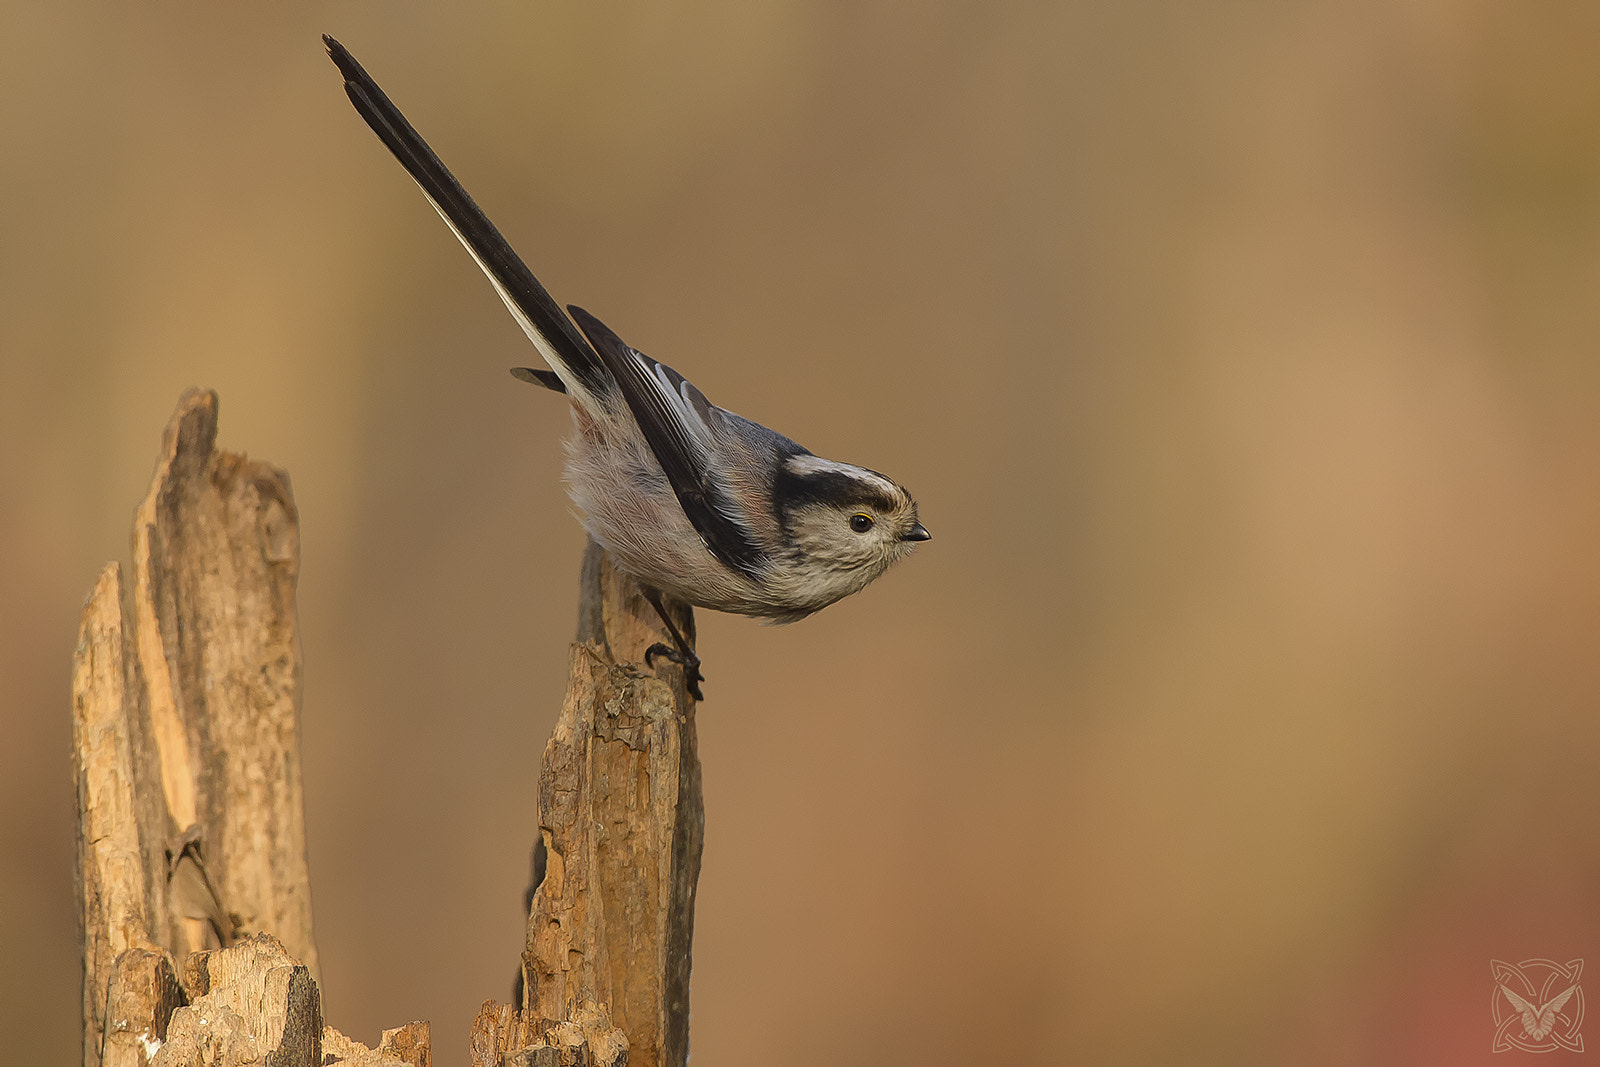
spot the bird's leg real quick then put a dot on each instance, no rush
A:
(683, 654)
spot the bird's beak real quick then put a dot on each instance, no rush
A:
(918, 532)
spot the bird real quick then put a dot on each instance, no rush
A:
(690, 500)
(1539, 1021)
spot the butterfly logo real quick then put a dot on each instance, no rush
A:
(1545, 1005)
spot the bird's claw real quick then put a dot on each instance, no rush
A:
(690, 664)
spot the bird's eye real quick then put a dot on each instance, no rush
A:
(860, 522)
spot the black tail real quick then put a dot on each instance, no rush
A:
(516, 283)
(534, 376)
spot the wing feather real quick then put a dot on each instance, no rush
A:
(673, 416)
(534, 376)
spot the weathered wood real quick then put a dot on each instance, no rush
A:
(186, 754)
(404, 1046)
(216, 558)
(191, 841)
(252, 1003)
(621, 825)
(249, 1003)
(503, 1036)
(112, 875)
(141, 997)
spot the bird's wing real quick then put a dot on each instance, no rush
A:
(675, 418)
(749, 456)
(539, 316)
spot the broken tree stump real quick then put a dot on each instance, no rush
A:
(621, 824)
(186, 751)
(194, 888)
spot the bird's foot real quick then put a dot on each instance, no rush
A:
(688, 661)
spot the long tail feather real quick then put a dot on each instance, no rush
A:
(541, 318)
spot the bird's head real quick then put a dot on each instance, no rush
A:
(839, 517)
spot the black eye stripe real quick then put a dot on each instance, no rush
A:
(830, 487)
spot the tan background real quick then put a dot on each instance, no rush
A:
(1242, 357)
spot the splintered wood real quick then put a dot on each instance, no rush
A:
(192, 875)
(186, 747)
(621, 824)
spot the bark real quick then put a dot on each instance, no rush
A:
(186, 751)
(621, 822)
(621, 828)
(192, 874)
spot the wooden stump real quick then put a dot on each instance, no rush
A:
(191, 828)
(186, 750)
(621, 823)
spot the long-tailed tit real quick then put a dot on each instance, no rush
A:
(687, 498)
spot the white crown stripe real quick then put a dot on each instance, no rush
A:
(818, 465)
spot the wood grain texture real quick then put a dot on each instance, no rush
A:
(113, 875)
(621, 824)
(216, 558)
(250, 1002)
(191, 833)
(191, 828)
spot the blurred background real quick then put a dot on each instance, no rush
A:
(1242, 359)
